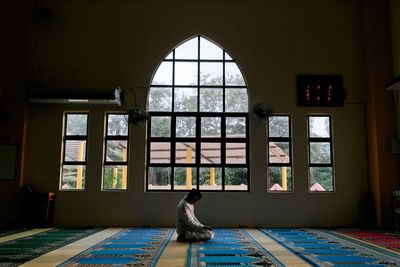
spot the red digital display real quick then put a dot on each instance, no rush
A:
(320, 90)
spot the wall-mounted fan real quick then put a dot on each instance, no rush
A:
(261, 111)
(138, 116)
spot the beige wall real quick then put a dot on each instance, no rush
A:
(101, 44)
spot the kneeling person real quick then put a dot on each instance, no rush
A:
(188, 227)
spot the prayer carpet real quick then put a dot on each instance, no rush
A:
(129, 247)
(18, 251)
(390, 240)
(6, 232)
(230, 247)
(326, 248)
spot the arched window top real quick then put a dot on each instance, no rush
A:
(198, 63)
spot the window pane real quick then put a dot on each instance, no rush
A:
(210, 178)
(210, 153)
(160, 126)
(279, 152)
(236, 153)
(187, 50)
(170, 56)
(209, 50)
(319, 126)
(320, 152)
(185, 152)
(211, 73)
(160, 152)
(75, 150)
(321, 179)
(236, 100)
(73, 177)
(233, 75)
(115, 177)
(227, 57)
(116, 151)
(163, 75)
(185, 178)
(278, 126)
(76, 124)
(159, 178)
(235, 127)
(236, 179)
(280, 179)
(117, 124)
(160, 99)
(186, 73)
(185, 99)
(211, 99)
(185, 127)
(211, 127)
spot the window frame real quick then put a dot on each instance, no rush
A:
(67, 138)
(280, 139)
(198, 140)
(320, 140)
(105, 163)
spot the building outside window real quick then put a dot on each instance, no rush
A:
(280, 175)
(73, 167)
(321, 176)
(199, 134)
(116, 143)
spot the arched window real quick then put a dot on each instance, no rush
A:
(198, 134)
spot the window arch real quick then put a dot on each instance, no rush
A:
(198, 135)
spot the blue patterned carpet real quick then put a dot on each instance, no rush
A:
(230, 247)
(129, 247)
(325, 248)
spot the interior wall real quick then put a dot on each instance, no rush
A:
(102, 44)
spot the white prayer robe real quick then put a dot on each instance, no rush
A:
(188, 224)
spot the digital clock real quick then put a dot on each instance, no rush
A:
(320, 90)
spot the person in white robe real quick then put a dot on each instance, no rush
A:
(188, 227)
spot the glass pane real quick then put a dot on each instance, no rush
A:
(278, 126)
(279, 152)
(185, 127)
(236, 153)
(210, 153)
(116, 151)
(75, 150)
(236, 100)
(210, 178)
(186, 73)
(185, 178)
(170, 56)
(160, 152)
(280, 179)
(73, 177)
(211, 73)
(321, 179)
(211, 127)
(227, 56)
(159, 178)
(185, 99)
(160, 126)
(319, 126)
(320, 152)
(233, 75)
(236, 179)
(211, 99)
(117, 124)
(209, 50)
(163, 74)
(235, 127)
(185, 152)
(187, 50)
(160, 99)
(76, 124)
(115, 177)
